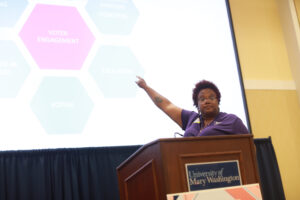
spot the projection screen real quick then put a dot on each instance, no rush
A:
(68, 68)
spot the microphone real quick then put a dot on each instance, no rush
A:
(176, 133)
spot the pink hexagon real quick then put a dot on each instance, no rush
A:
(57, 37)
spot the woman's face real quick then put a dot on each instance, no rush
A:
(208, 103)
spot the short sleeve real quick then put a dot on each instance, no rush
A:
(239, 127)
(188, 118)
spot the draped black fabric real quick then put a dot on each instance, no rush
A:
(62, 174)
(90, 173)
(269, 173)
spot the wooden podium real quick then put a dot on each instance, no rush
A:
(158, 168)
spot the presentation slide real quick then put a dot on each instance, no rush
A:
(68, 69)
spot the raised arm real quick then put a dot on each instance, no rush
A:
(161, 102)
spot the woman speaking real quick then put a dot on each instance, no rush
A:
(208, 121)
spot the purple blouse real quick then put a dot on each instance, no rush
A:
(223, 124)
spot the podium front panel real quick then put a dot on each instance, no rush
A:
(158, 168)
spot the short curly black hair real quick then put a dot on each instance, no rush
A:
(204, 84)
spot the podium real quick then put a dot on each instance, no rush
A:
(158, 168)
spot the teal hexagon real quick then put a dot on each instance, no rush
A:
(13, 69)
(10, 11)
(113, 17)
(115, 68)
(62, 105)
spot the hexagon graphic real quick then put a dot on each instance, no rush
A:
(113, 17)
(57, 37)
(11, 11)
(114, 69)
(13, 69)
(62, 105)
